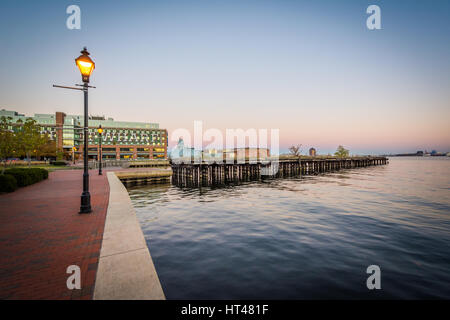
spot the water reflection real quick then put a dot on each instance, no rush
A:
(309, 237)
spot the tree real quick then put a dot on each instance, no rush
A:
(295, 150)
(341, 152)
(47, 147)
(29, 138)
(7, 140)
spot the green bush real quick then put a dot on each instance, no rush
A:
(45, 173)
(7, 183)
(36, 174)
(58, 163)
(23, 178)
(27, 176)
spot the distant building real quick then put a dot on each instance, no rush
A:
(242, 154)
(312, 152)
(120, 140)
(181, 153)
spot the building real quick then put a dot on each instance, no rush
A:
(253, 154)
(312, 152)
(120, 139)
(181, 153)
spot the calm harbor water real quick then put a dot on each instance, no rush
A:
(304, 238)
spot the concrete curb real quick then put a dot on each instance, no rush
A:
(125, 269)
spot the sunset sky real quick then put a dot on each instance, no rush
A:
(308, 68)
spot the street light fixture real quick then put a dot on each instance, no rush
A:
(73, 154)
(100, 131)
(86, 66)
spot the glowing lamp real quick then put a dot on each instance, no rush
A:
(85, 64)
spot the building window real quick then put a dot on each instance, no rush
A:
(158, 155)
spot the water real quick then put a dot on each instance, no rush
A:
(305, 238)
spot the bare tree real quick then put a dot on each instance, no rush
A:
(295, 150)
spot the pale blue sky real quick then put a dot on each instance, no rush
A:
(309, 68)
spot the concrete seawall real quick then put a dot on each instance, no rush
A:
(138, 176)
(125, 270)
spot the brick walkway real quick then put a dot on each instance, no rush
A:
(41, 234)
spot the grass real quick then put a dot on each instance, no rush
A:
(48, 167)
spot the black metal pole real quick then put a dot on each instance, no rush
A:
(100, 153)
(85, 196)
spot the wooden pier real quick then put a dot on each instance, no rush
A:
(216, 173)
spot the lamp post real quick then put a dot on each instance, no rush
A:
(86, 66)
(100, 131)
(73, 154)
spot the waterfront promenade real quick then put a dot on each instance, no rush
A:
(41, 234)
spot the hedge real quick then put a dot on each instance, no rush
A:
(27, 176)
(58, 163)
(7, 183)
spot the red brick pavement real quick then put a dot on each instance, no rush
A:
(42, 233)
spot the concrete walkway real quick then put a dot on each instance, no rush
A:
(126, 269)
(41, 234)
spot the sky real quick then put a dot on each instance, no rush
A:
(311, 69)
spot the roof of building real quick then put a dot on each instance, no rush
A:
(95, 121)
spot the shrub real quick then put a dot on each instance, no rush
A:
(44, 173)
(7, 183)
(35, 174)
(58, 163)
(22, 177)
(27, 176)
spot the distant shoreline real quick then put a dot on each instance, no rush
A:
(414, 155)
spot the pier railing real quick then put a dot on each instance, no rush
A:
(215, 173)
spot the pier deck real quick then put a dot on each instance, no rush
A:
(224, 172)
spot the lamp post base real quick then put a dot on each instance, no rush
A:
(85, 203)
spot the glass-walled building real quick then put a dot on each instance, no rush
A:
(120, 139)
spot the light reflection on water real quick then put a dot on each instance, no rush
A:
(304, 238)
